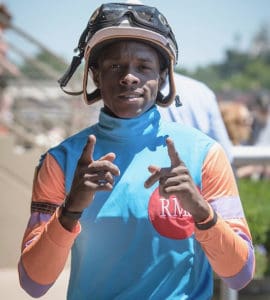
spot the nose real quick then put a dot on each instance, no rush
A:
(129, 78)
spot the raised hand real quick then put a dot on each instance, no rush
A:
(176, 180)
(91, 176)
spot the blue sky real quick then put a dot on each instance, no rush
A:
(204, 28)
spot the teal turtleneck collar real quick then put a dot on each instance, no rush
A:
(145, 125)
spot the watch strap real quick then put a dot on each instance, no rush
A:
(209, 224)
(74, 215)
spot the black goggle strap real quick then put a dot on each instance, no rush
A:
(63, 81)
(76, 61)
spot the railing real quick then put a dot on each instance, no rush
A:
(244, 155)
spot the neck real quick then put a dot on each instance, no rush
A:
(107, 111)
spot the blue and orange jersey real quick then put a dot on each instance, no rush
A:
(131, 243)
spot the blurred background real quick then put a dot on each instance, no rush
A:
(225, 44)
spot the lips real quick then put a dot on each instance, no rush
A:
(130, 95)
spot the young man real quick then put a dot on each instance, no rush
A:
(148, 209)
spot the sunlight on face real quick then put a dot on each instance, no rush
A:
(128, 76)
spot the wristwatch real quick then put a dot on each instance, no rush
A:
(208, 223)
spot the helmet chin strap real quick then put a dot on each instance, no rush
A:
(95, 95)
(165, 101)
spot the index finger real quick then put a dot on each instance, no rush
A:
(88, 150)
(173, 154)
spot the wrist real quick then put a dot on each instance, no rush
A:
(73, 215)
(67, 218)
(209, 222)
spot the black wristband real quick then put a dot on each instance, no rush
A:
(73, 215)
(211, 223)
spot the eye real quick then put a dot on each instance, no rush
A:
(145, 67)
(115, 67)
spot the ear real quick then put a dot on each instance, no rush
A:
(162, 78)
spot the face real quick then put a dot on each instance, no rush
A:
(129, 77)
(238, 121)
(244, 124)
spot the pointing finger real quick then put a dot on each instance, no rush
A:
(88, 150)
(173, 154)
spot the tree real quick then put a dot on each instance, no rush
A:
(43, 66)
(240, 70)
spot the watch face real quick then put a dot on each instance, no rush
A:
(169, 218)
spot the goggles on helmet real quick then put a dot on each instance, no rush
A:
(112, 15)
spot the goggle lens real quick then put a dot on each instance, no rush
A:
(137, 14)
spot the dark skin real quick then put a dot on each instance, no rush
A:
(129, 76)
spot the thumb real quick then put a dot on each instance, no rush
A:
(109, 156)
(88, 150)
(154, 177)
(153, 169)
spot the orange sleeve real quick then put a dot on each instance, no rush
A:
(45, 256)
(48, 185)
(222, 245)
(224, 241)
(46, 244)
(217, 175)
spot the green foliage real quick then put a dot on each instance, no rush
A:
(258, 71)
(255, 196)
(43, 66)
(239, 70)
(51, 60)
(261, 263)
